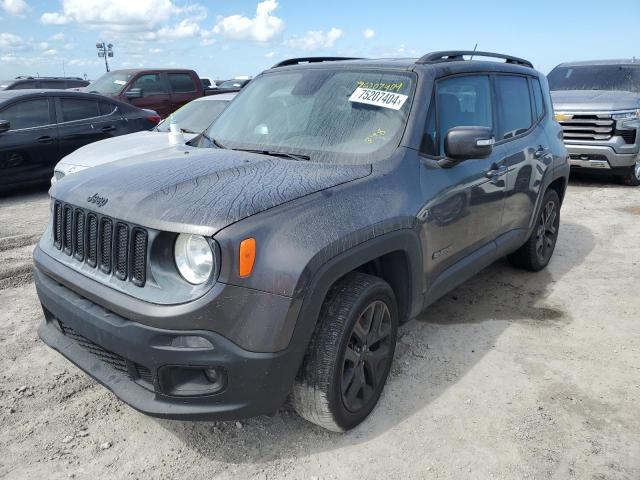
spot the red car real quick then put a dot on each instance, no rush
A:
(160, 89)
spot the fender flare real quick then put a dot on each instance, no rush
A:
(311, 297)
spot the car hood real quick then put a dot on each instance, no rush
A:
(594, 100)
(198, 190)
(117, 148)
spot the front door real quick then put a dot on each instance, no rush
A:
(155, 93)
(463, 213)
(29, 150)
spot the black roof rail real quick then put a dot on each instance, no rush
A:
(454, 55)
(25, 77)
(297, 61)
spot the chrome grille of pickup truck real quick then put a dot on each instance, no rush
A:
(587, 126)
(101, 242)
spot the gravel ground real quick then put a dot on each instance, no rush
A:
(512, 375)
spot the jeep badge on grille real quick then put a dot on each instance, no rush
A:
(98, 200)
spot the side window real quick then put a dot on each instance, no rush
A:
(56, 84)
(514, 106)
(463, 101)
(24, 85)
(27, 114)
(78, 109)
(181, 82)
(538, 98)
(106, 108)
(150, 84)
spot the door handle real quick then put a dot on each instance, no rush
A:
(496, 171)
(540, 152)
(45, 139)
(108, 128)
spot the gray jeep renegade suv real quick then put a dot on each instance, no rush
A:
(331, 201)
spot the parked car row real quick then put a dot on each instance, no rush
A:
(192, 119)
(57, 83)
(39, 127)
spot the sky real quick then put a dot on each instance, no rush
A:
(223, 39)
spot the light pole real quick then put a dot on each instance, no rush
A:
(105, 51)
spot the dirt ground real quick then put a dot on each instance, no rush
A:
(512, 376)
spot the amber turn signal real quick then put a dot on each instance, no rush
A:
(247, 257)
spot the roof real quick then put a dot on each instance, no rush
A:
(136, 70)
(9, 94)
(444, 59)
(625, 61)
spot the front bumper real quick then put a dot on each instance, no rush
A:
(128, 358)
(600, 157)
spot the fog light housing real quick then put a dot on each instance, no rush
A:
(191, 381)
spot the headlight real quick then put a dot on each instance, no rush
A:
(632, 115)
(194, 258)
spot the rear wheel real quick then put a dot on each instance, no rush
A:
(536, 253)
(632, 176)
(350, 354)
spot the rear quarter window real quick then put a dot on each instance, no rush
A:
(181, 82)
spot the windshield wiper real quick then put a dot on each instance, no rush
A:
(186, 130)
(294, 156)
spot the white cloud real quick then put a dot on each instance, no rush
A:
(10, 41)
(58, 37)
(14, 7)
(53, 18)
(368, 33)
(261, 28)
(270, 54)
(187, 28)
(51, 51)
(315, 39)
(117, 14)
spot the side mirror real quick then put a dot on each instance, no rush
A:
(463, 143)
(5, 126)
(133, 93)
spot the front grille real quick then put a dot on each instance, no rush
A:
(588, 127)
(106, 234)
(122, 249)
(115, 361)
(110, 358)
(101, 242)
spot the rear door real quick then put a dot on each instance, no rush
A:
(86, 120)
(155, 93)
(465, 202)
(183, 89)
(522, 135)
(29, 150)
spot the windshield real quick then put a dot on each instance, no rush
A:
(596, 77)
(110, 83)
(195, 116)
(328, 115)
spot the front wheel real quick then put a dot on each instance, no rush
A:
(536, 253)
(632, 176)
(350, 354)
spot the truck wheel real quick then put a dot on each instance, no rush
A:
(350, 354)
(632, 176)
(536, 253)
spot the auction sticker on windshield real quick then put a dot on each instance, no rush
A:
(379, 98)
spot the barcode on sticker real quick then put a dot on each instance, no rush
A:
(379, 98)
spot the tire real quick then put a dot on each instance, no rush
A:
(346, 351)
(536, 253)
(631, 177)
